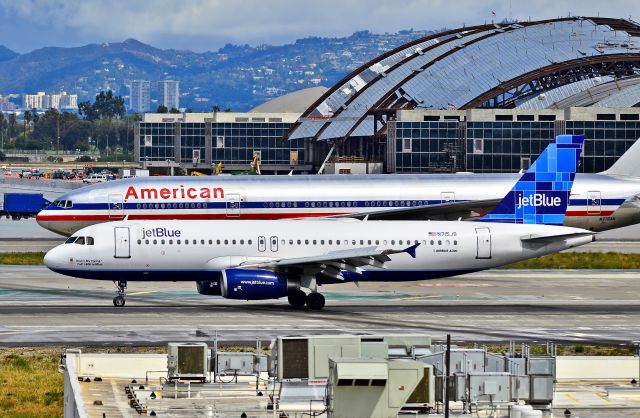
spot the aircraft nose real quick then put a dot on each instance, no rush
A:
(40, 219)
(53, 258)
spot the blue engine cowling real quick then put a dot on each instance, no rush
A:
(210, 288)
(253, 284)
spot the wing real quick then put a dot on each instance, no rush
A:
(441, 211)
(334, 262)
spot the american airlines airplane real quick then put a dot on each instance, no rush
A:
(268, 259)
(598, 202)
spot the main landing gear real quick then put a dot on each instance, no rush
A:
(314, 300)
(119, 300)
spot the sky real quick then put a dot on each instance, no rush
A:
(206, 25)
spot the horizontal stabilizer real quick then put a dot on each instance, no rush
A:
(555, 237)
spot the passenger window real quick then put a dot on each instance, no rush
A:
(80, 241)
(299, 242)
(146, 241)
(242, 242)
(330, 242)
(210, 242)
(400, 242)
(226, 242)
(448, 242)
(353, 242)
(233, 242)
(218, 242)
(455, 242)
(186, 242)
(377, 242)
(337, 242)
(283, 241)
(384, 242)
(249, 242)
(431, 242)
(321, 242)
(155, 241)
(290, 242)
(314, 242)
(202, 242)
(162, 241)
(195, 242)
(139, 241)
(170, 242)
(439, 242)
(89, 240)
(178, 241)
(393, 242)
(138, 206)
(369, 242)
(306, 242)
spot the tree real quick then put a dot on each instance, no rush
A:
(27, 120)
(34, 115)
(174, 110)
(215, 108)
(87, 110)
(2, 156)
(162, 109)
(13, 125)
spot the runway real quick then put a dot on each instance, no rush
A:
(41, 307)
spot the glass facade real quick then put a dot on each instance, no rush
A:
(236, 143)
(507, 146)
(157, 141)
(231, 143)
(192, 145)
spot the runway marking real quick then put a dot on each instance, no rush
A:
(601, 396)
(141, 293)
(456, 285)
(421, 297)
(572, 398)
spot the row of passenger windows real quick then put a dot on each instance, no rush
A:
(296, 242)
(79, 240)
(384, 203)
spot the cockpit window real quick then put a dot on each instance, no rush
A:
(68, 203)
(55, 203)
(70, 240)
(89, 240)
(80, 241)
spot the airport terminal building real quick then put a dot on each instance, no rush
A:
(484, 98)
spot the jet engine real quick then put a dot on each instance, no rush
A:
(210, 288)
(254, 284)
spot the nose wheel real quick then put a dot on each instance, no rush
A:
(120, 300)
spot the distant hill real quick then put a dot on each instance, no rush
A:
(239, 77)
(6, 53)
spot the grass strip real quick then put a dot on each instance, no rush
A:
(609, 260)
(24, 259)
(581, 261)
(30, 384)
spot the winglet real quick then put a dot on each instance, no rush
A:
(542, 194)
(412, 250)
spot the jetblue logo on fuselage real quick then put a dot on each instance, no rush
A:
(161, 233)
(539, 200)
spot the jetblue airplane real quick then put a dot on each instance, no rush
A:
(598, 202)
(267, 259)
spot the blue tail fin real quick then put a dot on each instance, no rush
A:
(542, 194)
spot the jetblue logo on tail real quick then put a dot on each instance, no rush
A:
(542, 194)
(538, 199)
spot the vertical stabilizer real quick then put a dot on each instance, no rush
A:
(542, 194)
(628, 165)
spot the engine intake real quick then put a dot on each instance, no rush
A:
(253, 284)
(211, 288)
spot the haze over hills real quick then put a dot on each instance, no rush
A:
(236, 76)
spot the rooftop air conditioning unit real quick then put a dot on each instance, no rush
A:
(187, 361)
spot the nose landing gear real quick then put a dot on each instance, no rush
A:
(119, 300)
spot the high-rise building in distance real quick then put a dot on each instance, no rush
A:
(140, 96)
(169, 94)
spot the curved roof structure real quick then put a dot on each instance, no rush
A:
(491, 66)
(294, 102)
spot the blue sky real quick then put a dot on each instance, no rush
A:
(202, 25)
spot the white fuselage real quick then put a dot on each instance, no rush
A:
(595, 202)
(200, 250)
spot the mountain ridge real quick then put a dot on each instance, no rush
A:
(239, 77)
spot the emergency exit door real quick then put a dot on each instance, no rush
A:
(483, 238)
(122, 242)
(262, 244)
